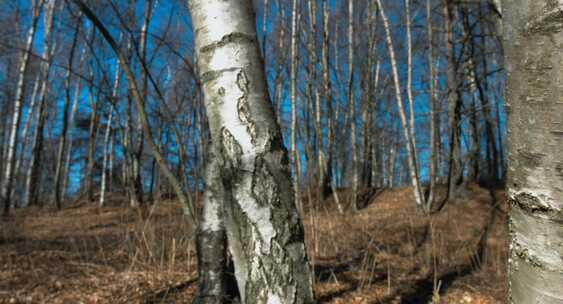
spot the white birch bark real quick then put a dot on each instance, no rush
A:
(264, 232)
(327, 165)
(352, 105)
(106, 149)
(25, 136)
(44, 68)
(412, 162)
(533, 36)
(432, 100)
(409, 81)
(106, 152)
(294, 56)
(7, 182)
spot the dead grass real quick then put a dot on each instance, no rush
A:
(385, 253)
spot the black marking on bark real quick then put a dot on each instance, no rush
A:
(264, 189)
(531, 160)
(559, 169)
(525, 255)
(243, 107)
(231, 147)
(236, 37)
(212, 75)
(558, 133)
(530, 204)
(550, 21)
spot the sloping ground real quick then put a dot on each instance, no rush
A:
(385, 253)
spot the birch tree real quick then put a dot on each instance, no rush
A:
(407, 130)
(294, 57)
(533, 36)
(265, 235)
(7, 182)
(455, 171)
(106, 149)
(31, 176)
(352, 105)
(65, 120)
(432, 99)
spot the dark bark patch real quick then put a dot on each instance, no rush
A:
(263, 187)
(531, 160)
(236, 37)
(212, 261)
(550, 21)
(243, 107)
(212, 75)
(559, 169)
(525, 255)
(231, 147)
(530, 204)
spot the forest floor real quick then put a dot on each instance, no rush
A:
(384, 253)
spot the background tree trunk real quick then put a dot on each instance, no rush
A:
(64, 130)
(294, 58)
(7, 181)
(432, 99)
(408, 135)
(352, 105)
(455, 171)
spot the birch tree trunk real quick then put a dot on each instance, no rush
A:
(265, 236)
(66, 106)
(71, 119)
(411, 156)
(486, 105)
(31, 175)
(29, 115)
(7, 182)
(312, 48)
(294, 56)
(279, 63)
(325, 53)
(90, 160)
(409, 80)
(352, 105)
(432, 97)
(137, 178)
(106, 152)
(455, 170)
(211, 239)
(106, 149)
(533, 37)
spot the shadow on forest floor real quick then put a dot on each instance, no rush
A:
(384, 253)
